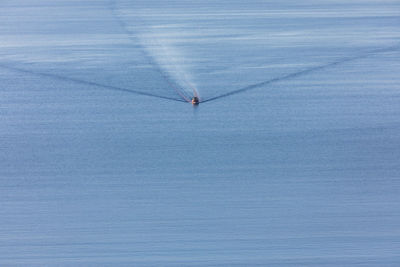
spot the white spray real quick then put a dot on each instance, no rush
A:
(162, 48)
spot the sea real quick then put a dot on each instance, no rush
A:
(292, 157)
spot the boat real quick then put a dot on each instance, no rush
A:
(195, 100)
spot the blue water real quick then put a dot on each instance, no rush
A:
(101, 166)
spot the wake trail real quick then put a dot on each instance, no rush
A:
(79, 81)
(302, 72)
(149, 58)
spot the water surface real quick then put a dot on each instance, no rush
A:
(303, 171)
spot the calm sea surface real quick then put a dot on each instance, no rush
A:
(103, 164)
